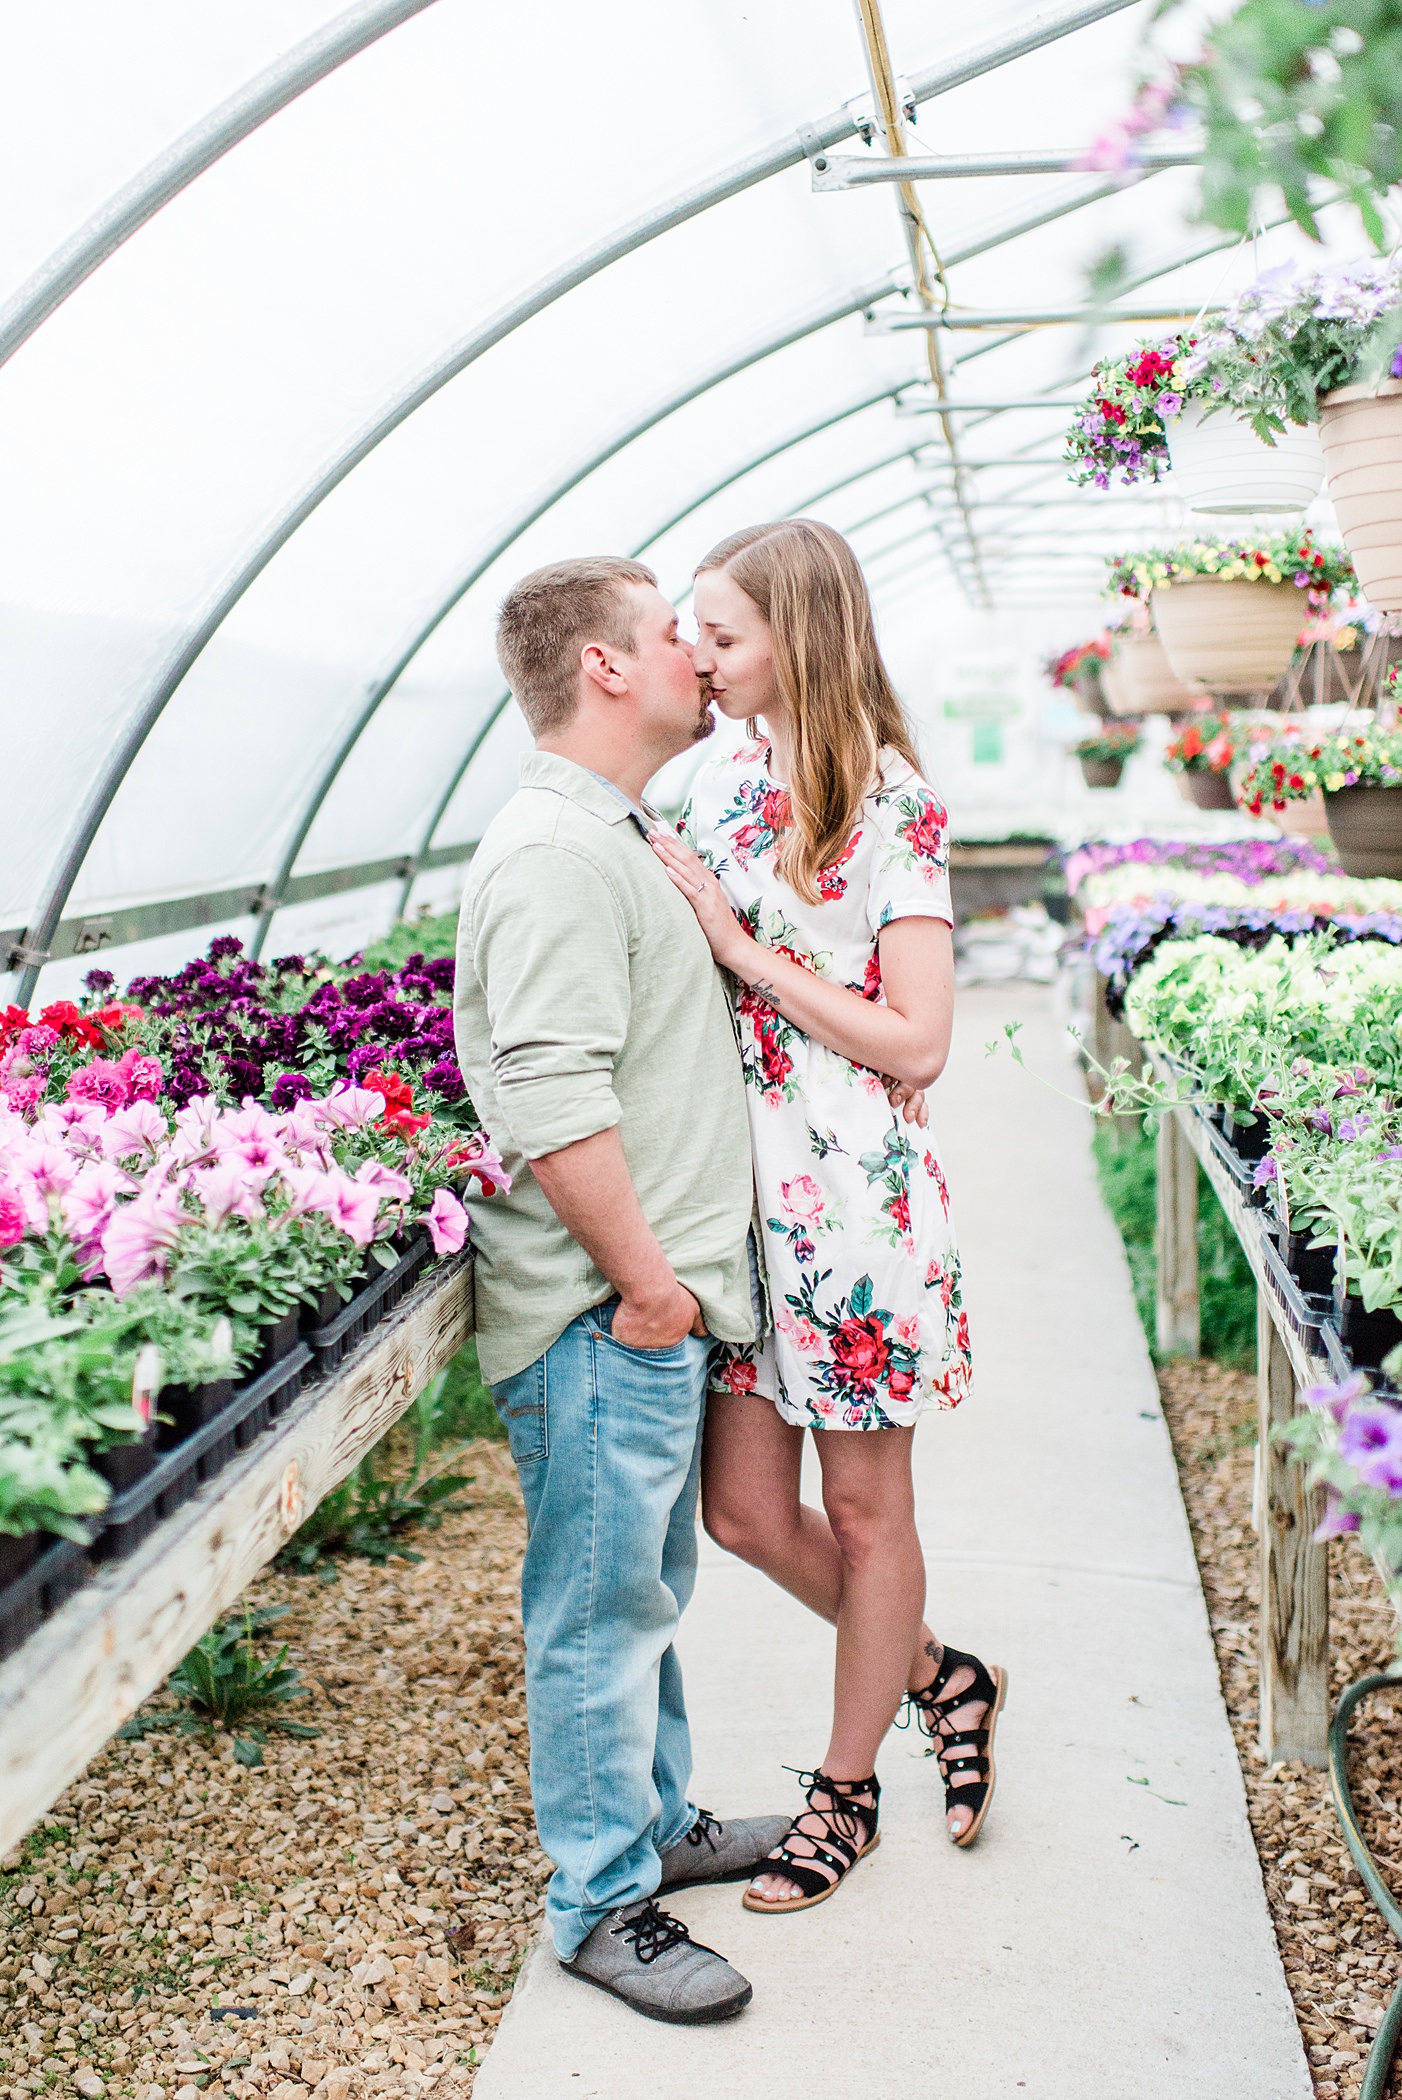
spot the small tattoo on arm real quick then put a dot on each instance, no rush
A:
(762, 989)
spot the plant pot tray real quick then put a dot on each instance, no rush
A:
(88, 1666)
(133, 1515)
(332, 1342)
(28, 1599)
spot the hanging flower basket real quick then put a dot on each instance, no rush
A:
(1102, 772)
(1115, 686)
(1221, 466)
(1103, 752)
(1229, 635)
(1210, 790)
(1148, 683)
(1304, 820)
(1365, 823)
(1360, 428)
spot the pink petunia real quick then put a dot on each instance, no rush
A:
(351, 1206)
(228, 1190)
(87, 1210)
(350, 1107)
(139, 1238)
(137, 1128)
(24, 1095)
(447, 1222)
(394, 1188)
(13, 1223)
(145, 1076)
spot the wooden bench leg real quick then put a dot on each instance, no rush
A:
(1294, 1643)
(1177, 1325)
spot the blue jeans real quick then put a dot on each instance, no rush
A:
(607, 1441)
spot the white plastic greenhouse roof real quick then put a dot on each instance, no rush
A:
(324, 325)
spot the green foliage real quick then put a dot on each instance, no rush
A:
(1110, 740)
(1294, 89)
(430, 936)
(223, 1680)
(1227, 1290)
(368, 1515)
(458, 1403)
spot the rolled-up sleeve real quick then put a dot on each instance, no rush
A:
(550, 950)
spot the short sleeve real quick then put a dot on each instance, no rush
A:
(909, 875)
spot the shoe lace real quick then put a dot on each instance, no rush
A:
(705, 1830)
(652, 1932)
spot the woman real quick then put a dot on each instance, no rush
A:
(815, 861)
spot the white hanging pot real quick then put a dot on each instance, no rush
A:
(1222, 467)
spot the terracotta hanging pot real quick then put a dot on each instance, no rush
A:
(1210, 790)
(1360, 429)
(1365, 823)
(1102, 772)
(1228, 633)
(1147, 683)
(1222, 467)
(1114, 685)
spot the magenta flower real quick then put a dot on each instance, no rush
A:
(146, 1076)
(1371, 1442)
(36, 1041)
(1266, 1172)
(100, 1081)
(24, 1095)
(1337, 1398)
(447, 1223)
(87, 1211)
(12, 1217)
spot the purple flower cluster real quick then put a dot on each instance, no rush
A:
(1250, 860)
(1132, 932)
(262, 1026)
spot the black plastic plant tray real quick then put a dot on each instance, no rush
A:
(133, 1516)
(334, 1341)
(28, 1599)
(1339, 1361)
(1304, 1315)
(1242, 1171)
(1367, 1336)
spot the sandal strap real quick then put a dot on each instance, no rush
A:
(849, 1827)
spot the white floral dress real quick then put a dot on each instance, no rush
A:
(863, 1271)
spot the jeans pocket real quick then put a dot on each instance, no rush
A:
(601, 1317)
(520, 1403)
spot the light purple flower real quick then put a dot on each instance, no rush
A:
(447, 1222)
(136, 1128)
(350, 1107)
(350, 1205)
(229, 1190)
(1370, 1440)
(1266, 1172)
(1337, 1398)
(138, 1240)
(393, 1188)
(1337, 1522)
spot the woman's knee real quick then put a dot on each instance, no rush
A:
(731, 1528)
(866, 1526)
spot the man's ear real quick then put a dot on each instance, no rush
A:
(601, 668)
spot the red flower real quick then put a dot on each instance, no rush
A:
(925, 833)
(12, 1020)
(899, 1208)
(64, 1016)
(861, 1349)
(1112, 412)
(738, 1375)
(830, 883)
(775, 1061)
(871, 982)
(775, 810)
(118, 1014)
(398, 1096)
(900, 1385)
(1296, 781)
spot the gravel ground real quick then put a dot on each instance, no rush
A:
(318, 1890)
(1341, 1961)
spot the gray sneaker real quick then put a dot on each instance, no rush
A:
(714, 1851)
(652, 1963)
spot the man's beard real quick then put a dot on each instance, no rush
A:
(705, 721)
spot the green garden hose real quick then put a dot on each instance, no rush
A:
(1384, 2047)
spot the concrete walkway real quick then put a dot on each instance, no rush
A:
(1108, 1938)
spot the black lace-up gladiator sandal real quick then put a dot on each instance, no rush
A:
(962, 1750)
(849, 1832)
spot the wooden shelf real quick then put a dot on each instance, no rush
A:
(85, 1671)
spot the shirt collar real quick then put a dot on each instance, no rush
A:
(561, 776)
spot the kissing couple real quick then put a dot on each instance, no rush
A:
(703, 1054)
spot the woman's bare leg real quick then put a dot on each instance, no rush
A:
(750, 1471)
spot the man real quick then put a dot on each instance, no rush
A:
(597, 1043)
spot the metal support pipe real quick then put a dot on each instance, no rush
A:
(231, 121)
(1035, 317)
(734, 181)
(852, 172)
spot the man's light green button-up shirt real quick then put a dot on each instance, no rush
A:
(586, 997)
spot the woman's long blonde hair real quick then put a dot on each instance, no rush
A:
(809, 586)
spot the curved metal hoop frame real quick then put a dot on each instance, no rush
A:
(732, 182)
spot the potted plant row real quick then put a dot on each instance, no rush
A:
(171, 1262)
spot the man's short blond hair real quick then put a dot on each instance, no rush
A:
(546, 620)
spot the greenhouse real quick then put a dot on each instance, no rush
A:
(731, 769)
